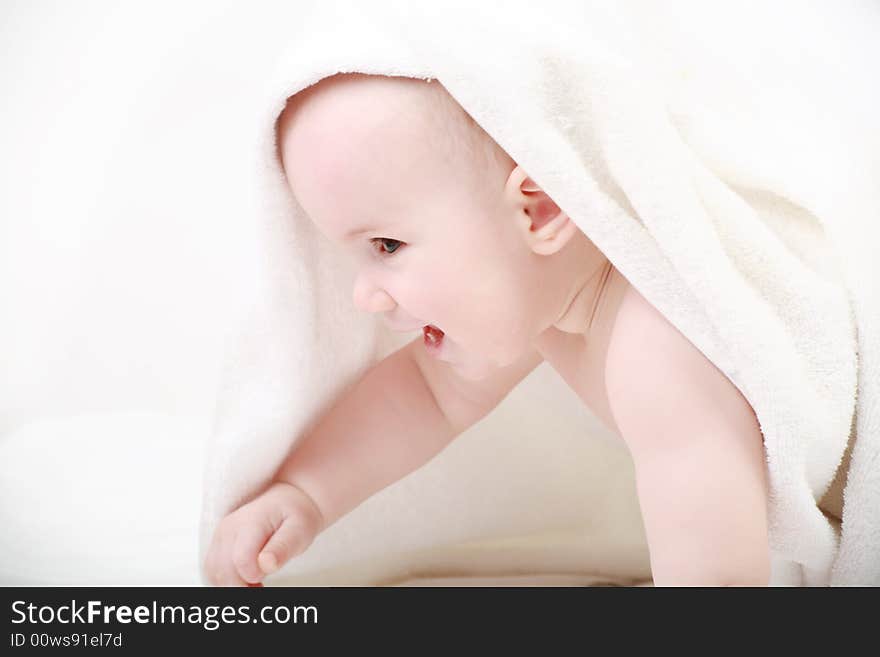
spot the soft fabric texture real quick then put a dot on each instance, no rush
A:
(723, 159)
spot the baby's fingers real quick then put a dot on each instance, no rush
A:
(220, 571)
(248, 542)
(289, 540)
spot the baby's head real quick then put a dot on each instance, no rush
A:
(444, 227)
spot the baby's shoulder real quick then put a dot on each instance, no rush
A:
(658, 383)
(636, 340)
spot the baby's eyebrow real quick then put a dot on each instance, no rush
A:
(354, 232)
(357, 231)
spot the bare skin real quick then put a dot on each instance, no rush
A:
(513, 282)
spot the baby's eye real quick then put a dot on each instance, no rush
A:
(384, 242)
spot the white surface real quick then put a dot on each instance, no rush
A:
(115, 284)
(108, 498)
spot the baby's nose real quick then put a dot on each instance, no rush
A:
(371, 299)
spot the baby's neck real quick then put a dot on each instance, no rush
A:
(580, 314)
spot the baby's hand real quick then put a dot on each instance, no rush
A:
(258, 538)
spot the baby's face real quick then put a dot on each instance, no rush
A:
(433, 245)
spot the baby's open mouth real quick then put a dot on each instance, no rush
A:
(432, 336)
(432, 333)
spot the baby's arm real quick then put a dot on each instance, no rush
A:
(698, 453)
(400, 414)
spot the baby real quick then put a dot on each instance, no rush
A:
(450, 235)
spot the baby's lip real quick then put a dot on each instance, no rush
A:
(412, 326)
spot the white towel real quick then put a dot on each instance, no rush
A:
(724, 159)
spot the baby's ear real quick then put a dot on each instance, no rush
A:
(546, 228)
